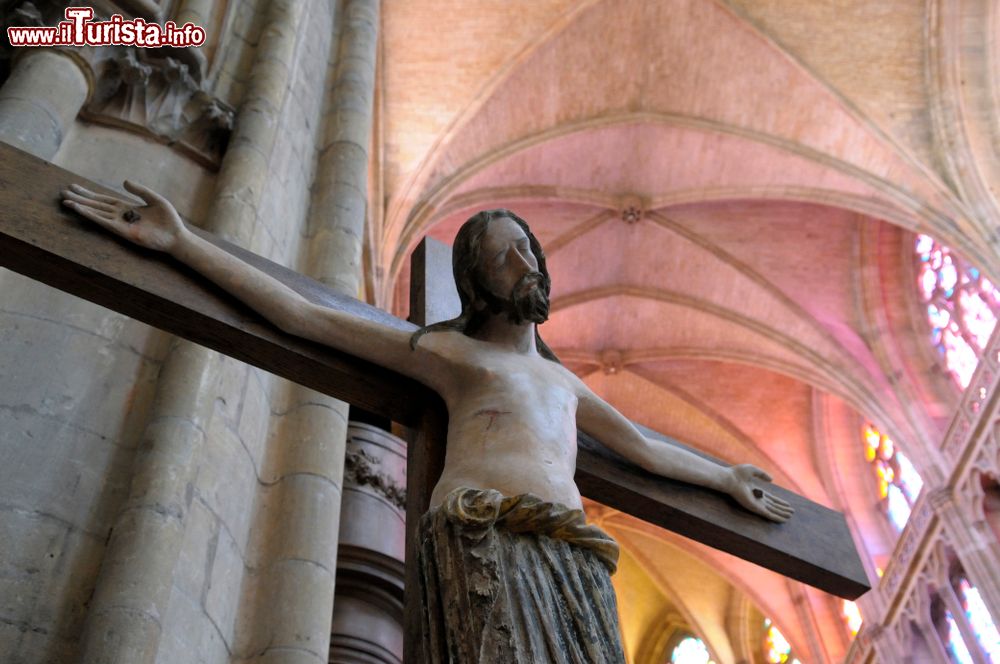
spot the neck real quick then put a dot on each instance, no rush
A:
(499, 330)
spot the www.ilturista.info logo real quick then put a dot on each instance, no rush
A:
(80, 30)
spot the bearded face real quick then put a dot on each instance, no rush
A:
(499, 269)
(527, 301)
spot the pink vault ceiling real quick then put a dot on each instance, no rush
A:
(745, 311)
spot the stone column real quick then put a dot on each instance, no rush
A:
(198, 12)
(974, 550)
(125, 618)
(302, 566)
(337, 221)
(334, 247)
(952, 603)
(72, 396)
(195, 11)
(368, 613)
(39, 101)
(919, 644)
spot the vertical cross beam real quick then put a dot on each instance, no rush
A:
(433, 298)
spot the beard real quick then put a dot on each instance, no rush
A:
(527, 301)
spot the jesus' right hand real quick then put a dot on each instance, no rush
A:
(156, 225)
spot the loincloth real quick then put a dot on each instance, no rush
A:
(515, 580)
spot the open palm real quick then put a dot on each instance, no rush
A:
(747, 492)
(156, 225)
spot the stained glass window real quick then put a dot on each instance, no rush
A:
(852, 616)
(956, 647)
(777, 650)
(690, 650)
(899, 484)
(962, 307)
(979, 619)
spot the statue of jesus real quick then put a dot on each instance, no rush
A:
(510, 571)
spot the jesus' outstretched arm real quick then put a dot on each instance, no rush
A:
(598, 418)
(158, 226)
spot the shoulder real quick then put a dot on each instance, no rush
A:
(450, 349)
(442, 342)
(575, 384)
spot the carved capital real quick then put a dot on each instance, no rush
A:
(159, 93)
(361, 469)
(154, 92)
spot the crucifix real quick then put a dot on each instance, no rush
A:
(57, 247)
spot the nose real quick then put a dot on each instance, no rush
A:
(524, 259)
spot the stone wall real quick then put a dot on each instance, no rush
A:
(83, 389)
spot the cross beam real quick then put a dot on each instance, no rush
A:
(42, 240)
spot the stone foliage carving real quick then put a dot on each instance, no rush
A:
(155, 92)
(360, 468)
(161, 93)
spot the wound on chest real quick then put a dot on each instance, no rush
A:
(492, 414)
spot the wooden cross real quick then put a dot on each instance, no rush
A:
(42, 240)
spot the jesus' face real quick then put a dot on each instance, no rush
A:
(508, 273)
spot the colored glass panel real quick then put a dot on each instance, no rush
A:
(897, 507)
(909, 478)
(956, 647)
(777, 650)
(852, 616)
(899, 483)
(980, 619)
(690, 650)
(962, 307)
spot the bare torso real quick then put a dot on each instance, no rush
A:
(511, 426)
(512, 414)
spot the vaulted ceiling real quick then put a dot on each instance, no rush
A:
(727, 194)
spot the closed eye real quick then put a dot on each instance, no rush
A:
(525, 249)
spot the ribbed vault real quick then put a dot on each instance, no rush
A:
(729, 232)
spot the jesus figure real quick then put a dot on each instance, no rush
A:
(510, 571)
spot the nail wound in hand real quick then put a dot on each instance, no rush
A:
(757, 493)
(131, 216)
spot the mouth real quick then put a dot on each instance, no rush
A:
(527, 283)
(528, 300)
(526, 288)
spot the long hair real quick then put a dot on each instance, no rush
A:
(464, 260)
